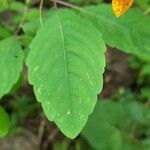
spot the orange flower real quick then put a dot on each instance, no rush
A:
(121, 6)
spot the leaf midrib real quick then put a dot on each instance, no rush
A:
(65, 58)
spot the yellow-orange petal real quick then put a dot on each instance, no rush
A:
(121, 6)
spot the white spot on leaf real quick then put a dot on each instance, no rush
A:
(39, 91)
(35, 69)
(80, 100)
(68, 112)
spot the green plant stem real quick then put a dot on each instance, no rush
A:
(40, 12)
(23, 18)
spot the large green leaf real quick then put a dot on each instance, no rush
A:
(129, 33)
(11, 60)
(4, 122)
(66, 63)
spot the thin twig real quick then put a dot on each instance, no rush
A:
(73, 7)
(66, 4)
(40, 133)
(53, 135)
(55, 4)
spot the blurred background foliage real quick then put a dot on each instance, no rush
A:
(121, 119)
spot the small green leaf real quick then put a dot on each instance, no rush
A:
(31, 27)
(16, 6)
(66, 63)
(4, 4)
(5, 32)
(4, 122)
(11, 63)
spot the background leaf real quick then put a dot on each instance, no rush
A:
(126, 33)
(143, 4)
(66, 63)
(4, 122)
(11, 60)
(4, 4)
(116, 125)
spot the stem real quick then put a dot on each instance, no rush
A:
(55, 4)
(40, 12)
(73, 6)
(66, 4)
(22, 19)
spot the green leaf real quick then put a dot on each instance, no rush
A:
(11, 60)
(146, 69)
(4, 122)
(5, 33)
(66, 63)
(17, 6)
(143, 4)
(145, 93)
(99, 130)
(112, 125)
(31, 27)
(4, 4)
(129, 33)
